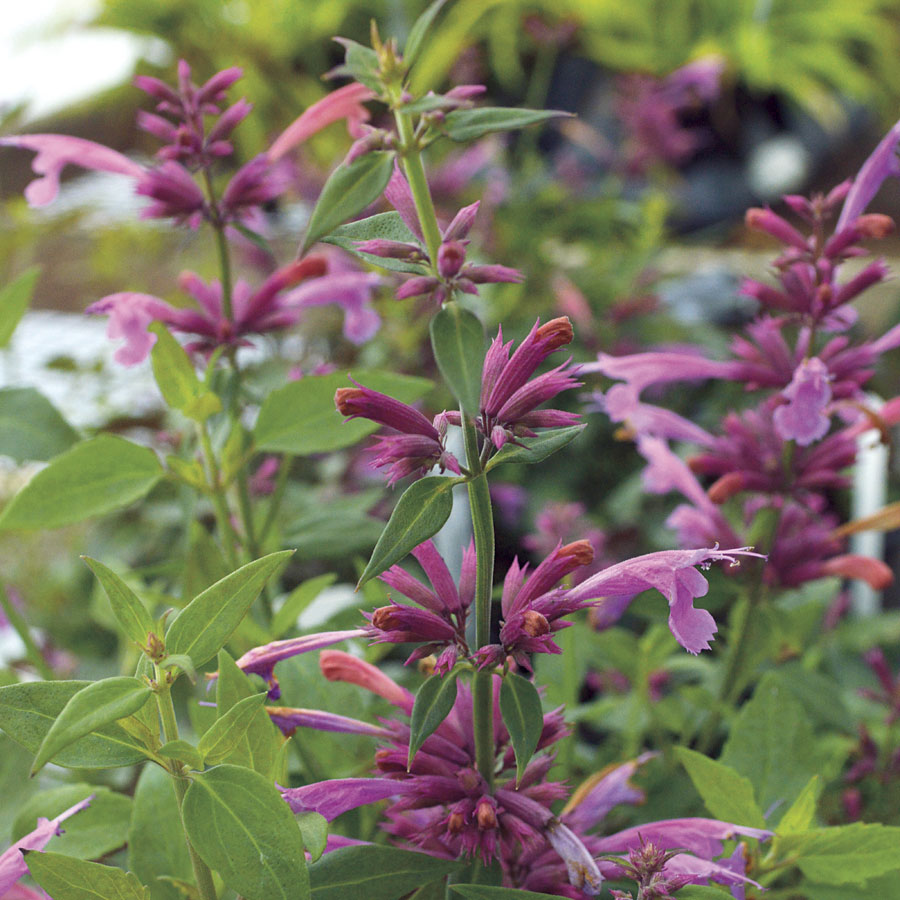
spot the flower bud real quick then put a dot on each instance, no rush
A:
(556, 333)
(535, 624)
(451, 256)
(485, 814)
(581, 552)
(874, 225)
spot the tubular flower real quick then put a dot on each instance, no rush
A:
(419, 444)
(450, 270)
(440, 625)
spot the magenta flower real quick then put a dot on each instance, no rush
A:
(803, 418)
(509, 400)
(881, 165)
(673, 574)
(440, 625)
(12, 860)
(450, 270)
(419, 444)
(262, 660)
(532, 610)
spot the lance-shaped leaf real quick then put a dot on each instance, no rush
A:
(74, 879)
(131, 614)
(535, 450)
(301, 418)
(523, 716)
(387, 226)
(469, 124)
(348, 191)
(727, 795)
(94, 477)
(457, 339)
(240, 826)
(374, 873)
(434, 701)
(314, 828)
(94, 706)
(228, 730)
(417, 33)
(183, 751)
(361, 64)
(14, 300)
(419, 514)
(176, 378)
(31, 427)
(27, 711)
(207, 622)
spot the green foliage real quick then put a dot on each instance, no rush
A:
(301, 418)
(314, 829)
(177, 381)
(31, 427)
(95, 705)
(537, 449)
(74, 879)
(206, 623)
(92, 478)
(470, 124)
(27, 712)
(130, 612)
(240, 826)
(520, 706)
(298, 599)
(491, 892)
(373, 873)
(387, 226)
(229, 729)
(457, 338)
(434, 700)
(419, 514)
(14, 300)
(348, 191)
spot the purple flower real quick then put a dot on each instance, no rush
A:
(672, 573)
(12, 861)
(803, 418)
(881, 165)
(262, 660)
(419, 444)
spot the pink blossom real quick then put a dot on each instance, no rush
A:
(803, 417)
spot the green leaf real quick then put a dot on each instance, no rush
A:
(417, 33)
(172, 368)
(703, 892)
(154, 852)
(27, 712)
(14, 300)
(95, 831)
(225, 733)
(240, 826)
(843, 855)
(259, 747)
(535, 450)
(727, 795)
(314, 828)
(301, 418)
(207, 622)
(373, 873)
(361, 63)
(436, 890)
(772, 744)
(491, 892)
(434, 700)
(520, 706)
(457, 339)
(802, 812)
(94, 477)
(99, 703)
(183, 751)
(387, 226)
(67, 878)
(298, 599)
(132, 615)
(31, 427)
(419, 514)
(348, 191)
(468, 124)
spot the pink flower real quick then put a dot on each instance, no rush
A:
(673, 574)
(803, 417)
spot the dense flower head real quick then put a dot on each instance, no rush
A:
(419, 444)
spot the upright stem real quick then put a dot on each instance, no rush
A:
(221, 248)
(418, 184)
(218, 499)
(483, 530)
(202, 873)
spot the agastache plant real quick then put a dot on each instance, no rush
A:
(466, 768)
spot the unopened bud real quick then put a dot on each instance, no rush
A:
(426, 664)
(725, 487)
(455, 823)
(384, 618)
(451, 256)
(535, 624)
(874, 225)
(155, 647)
(557, 333)
(581, 552)
(485, 815)
(344, 400)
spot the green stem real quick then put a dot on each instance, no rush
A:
(418, 184)
(202, 873)
(223, 519)
(221, 248)
(276, 498)
(483, 530)
(32, 651)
